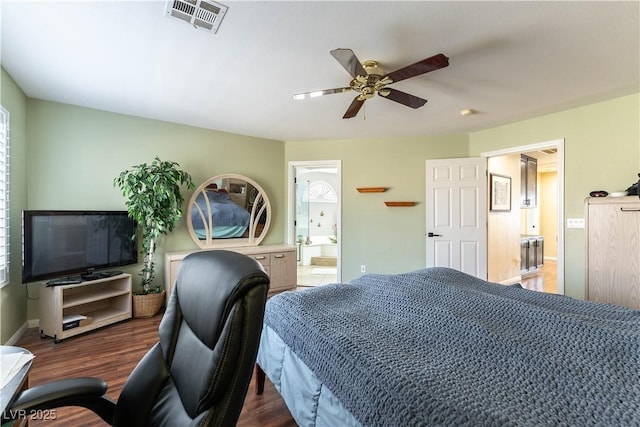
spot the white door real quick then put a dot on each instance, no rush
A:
(456, 206)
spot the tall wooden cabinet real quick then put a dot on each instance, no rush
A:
(613, 250)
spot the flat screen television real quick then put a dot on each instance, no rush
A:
(61, 243)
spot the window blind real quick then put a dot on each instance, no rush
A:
(4, 196)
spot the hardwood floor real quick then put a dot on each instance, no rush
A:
(544, 280)
(111, 353)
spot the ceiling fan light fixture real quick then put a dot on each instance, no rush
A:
(300, 96)
(368, 78)
(373, 68)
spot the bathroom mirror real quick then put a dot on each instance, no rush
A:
(228, 210)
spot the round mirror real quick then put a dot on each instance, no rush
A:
(228, 210)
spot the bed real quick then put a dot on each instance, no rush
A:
(440, 347)
(228, 219)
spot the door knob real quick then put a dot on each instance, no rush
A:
(430, 234)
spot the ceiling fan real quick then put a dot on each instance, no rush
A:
(369, 79)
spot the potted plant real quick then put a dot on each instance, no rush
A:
(154, 201)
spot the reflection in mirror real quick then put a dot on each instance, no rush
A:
(228, 210)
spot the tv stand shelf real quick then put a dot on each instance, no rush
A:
(103, 301)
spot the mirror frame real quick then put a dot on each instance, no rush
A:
(256, 213)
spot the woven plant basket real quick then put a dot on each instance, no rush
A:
(147, 305)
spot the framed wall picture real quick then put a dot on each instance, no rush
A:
(500, 190)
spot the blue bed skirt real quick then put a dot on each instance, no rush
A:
(310, 402)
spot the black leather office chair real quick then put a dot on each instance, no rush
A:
(199, 371)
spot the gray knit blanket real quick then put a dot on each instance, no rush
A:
(439, 347)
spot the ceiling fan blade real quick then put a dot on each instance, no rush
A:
(430, 64)
(353, 109)
(403, 98)
(317, 93)
(349, 62)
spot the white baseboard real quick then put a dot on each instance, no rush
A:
(33, 323)
(511, 281)
(19, 333)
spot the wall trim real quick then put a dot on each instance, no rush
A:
(19, 333)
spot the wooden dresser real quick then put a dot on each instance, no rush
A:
(613, 250)
(279, 261)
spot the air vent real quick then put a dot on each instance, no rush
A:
(549, 151)
(199, 13)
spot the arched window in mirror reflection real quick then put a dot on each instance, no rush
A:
(228, 210)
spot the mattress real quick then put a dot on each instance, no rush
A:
(439, 347)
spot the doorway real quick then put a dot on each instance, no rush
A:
(557, 148)
(314, 218)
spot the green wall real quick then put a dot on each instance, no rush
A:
(386, 240)
(67, 156)
(13, 306)
(74, 153)
(602, 152)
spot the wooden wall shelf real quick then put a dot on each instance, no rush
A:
(399, 204)
(371, 189)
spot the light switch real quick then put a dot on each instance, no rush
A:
(575, 222)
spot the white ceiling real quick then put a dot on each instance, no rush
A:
(508, 60)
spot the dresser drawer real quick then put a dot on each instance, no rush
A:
(264, 259)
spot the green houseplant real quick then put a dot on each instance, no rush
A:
(154, 201)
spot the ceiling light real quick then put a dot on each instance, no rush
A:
(467, 112)
(299, 96)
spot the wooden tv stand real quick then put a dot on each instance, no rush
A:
(103, 301)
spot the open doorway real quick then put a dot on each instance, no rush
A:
(314, 220)
(546, 220)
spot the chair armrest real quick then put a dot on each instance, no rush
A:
(86, 392)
